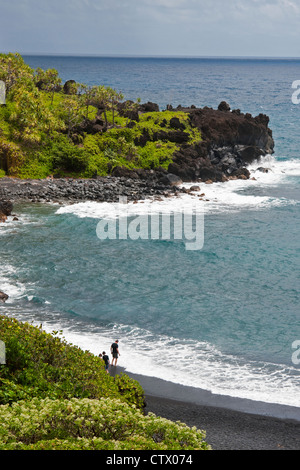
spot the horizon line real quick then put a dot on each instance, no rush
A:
(153, 56)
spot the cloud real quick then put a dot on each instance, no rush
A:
(171, 27)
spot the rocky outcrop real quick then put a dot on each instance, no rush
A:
(3, 297)
(230, 141)
(6, 208)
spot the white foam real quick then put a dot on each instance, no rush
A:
(278, 170)
(190, 363)
(234, 195)
(13, 288)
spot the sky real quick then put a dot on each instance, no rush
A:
(268, 28)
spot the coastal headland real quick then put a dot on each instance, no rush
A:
(230, 140)
(76, 142)
(199, 145)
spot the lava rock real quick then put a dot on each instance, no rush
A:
(171, 180)
(223, 106)
(3, 296)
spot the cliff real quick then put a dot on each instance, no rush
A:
(230, 141)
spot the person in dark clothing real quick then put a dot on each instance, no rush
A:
(106, 361)
(114, 349)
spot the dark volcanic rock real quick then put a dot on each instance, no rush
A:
(148, 107)
(185, 171)
(230, 141)
(210, 173)
(127, 109)
(176, 124)
(221, 128)
(123, 172)
(136, 185)
(90, 126)
(223, 106)
(263, 170)
(6, 208)
(3, 296)
(171, 180)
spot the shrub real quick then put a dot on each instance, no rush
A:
(43, 424)
(66, 156)
(56, 396)
(155, 154)
(40, 364)
(11, 157)
(36, 168)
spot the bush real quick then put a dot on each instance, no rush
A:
(11, 157)
(55, 396)
(66, 156)
(36, 169)
(155, 154)
(39, 364)
(154, 122)
(91, 424)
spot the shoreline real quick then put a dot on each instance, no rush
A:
(100, 189)
(230, 423)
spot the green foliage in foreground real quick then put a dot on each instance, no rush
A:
(41, 128)
(86, 424)
(40, 364)
(55, 396)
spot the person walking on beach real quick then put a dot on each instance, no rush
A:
(106, 361)
(114, 349)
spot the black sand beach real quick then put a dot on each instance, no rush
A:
(228, 429)
(230, 423)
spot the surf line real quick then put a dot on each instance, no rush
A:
(186, 224)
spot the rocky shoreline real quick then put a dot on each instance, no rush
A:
(101, 189)
(230, 140)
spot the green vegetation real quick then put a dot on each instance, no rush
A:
(43, 365)
(105, 424)
(55, 396)
(78, 130)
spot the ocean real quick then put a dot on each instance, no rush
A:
(224, 318)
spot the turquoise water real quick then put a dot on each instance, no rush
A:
(223, 318)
